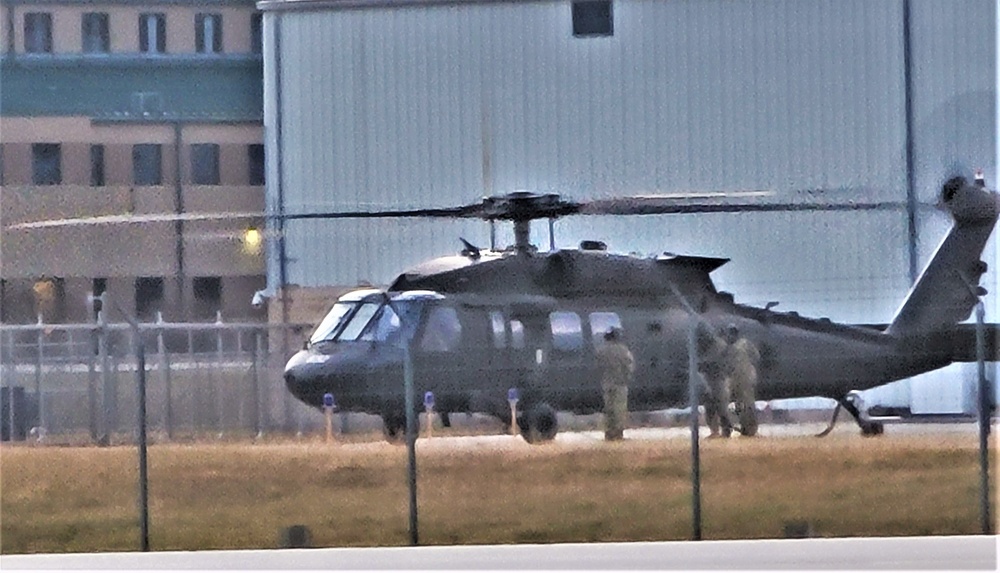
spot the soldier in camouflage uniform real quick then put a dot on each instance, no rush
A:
(741, 360)
(617, 365)
(711, 357)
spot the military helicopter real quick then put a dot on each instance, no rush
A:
(487, 322)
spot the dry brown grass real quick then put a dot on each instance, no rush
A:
(240, 496)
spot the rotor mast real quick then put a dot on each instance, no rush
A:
(522, 236)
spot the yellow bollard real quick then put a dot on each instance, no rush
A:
(429, 409)
(512, 398)
(328, 407)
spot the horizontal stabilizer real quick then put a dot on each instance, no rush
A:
(961, 338)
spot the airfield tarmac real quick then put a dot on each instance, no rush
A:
(594, 438)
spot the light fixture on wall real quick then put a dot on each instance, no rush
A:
(252, 240)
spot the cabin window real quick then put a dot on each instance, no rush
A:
(516, 334)
(360, 320)
(442, 332)
(600, 323)
(499, 329)
(567, 331)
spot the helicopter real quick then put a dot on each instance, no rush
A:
(484, 325)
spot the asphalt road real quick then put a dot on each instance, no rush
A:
(900, 553)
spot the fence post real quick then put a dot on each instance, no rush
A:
(161, 347)
(196, 389)
(220, 393)
(39, 358)
(92, 384)
(257, 353)
(107, 389)
(11, 415)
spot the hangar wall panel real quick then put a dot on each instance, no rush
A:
(431, 106)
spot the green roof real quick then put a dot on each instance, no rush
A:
(109, 87)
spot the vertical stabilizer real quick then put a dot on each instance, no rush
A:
(942, 295)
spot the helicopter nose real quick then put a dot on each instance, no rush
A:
(298, 379)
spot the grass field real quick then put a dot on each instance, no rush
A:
(83, 499)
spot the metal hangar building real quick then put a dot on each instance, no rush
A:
(379, 104)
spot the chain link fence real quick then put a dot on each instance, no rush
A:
(79, 382)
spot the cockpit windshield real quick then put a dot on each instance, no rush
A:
(358, 321)
(340, 314)
(372, 318)
(328, 327)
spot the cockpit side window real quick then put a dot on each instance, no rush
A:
(358, 322)
(442, 331)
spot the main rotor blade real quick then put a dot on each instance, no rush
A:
(129, 219)
(474, 210)
(666, 204)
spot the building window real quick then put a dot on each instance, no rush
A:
(38, 33)
(94, 27)
(148, 296)
(207, 295)
(97, 165)
(208, 33)
(147, 164)
(98, 287)
(257, 33)
(152, 33)
(46, 159)
(593, 18)
(255, 154)
(205, 164)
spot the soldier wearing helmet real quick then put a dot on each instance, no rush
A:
(711, 350)
(617, 365)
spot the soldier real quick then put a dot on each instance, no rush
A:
(711, 357)
(616, 364)
(741, 360)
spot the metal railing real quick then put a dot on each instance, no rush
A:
(203, 378)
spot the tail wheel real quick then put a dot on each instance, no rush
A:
(539, 424)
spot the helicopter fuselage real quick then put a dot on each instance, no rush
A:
(469, 352)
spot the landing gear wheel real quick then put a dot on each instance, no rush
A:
(539, 424)
(394, 429)
(870, 429)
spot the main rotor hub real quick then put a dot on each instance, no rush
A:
(526, 206)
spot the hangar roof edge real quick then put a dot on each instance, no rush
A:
(302, 5)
